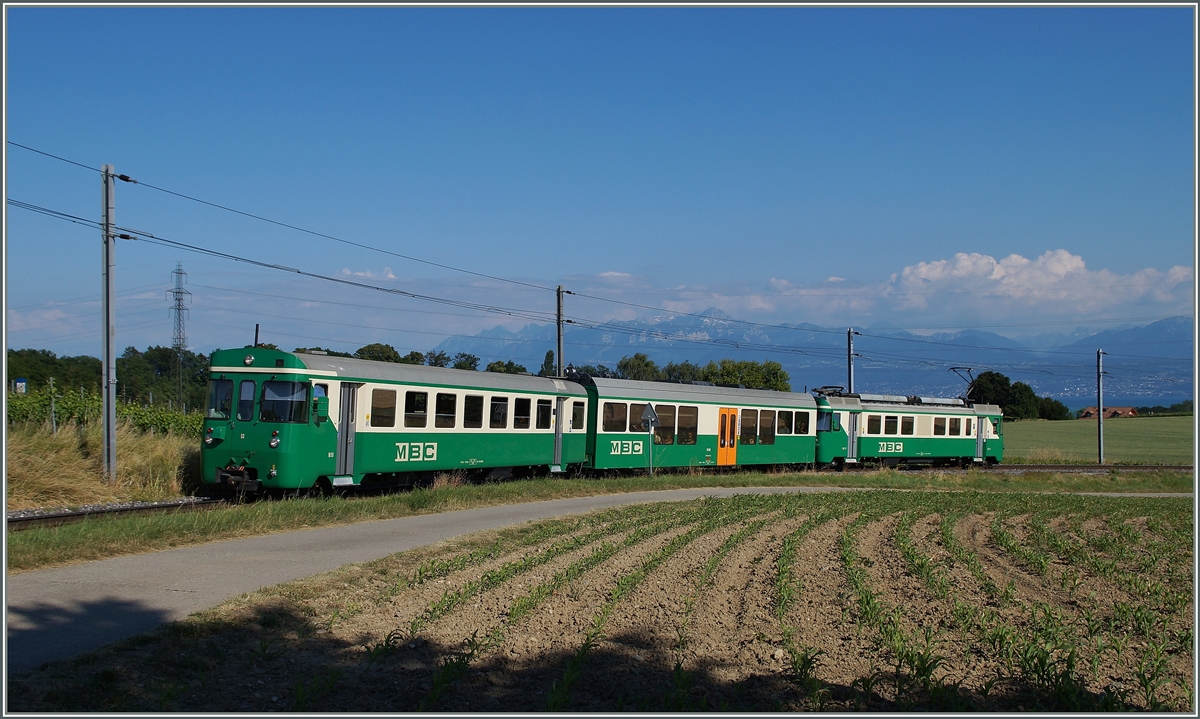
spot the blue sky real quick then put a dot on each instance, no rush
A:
(1019, 169)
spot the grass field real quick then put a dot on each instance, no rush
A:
(1128, 440)
(870, 601)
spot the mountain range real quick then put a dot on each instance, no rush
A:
(1150, 361)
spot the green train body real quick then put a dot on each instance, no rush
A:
(893, 430)
(283, 421)
(288, 421)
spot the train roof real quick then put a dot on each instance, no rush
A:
(897, 404)
(680, 392)
(351, 369)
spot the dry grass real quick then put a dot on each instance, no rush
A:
(449, 479)
(64, 470)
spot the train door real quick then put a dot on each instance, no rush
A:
(346, 428)
(852, 437)
(981, 425)
(727, 433)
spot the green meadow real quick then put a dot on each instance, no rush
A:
(1127, 440)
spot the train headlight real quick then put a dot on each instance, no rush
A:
(249, 360)
(274, 442)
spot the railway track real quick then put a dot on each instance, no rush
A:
(54, 519)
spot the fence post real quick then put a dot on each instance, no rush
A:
(53, 422)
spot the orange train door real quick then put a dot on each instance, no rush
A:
(727, 434)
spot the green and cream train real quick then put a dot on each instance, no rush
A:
(281, 421)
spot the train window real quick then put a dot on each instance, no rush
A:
(499, 413)
(245, 411)
(939, 425)
(767, 435)
(614, 416)
(967, 427)
(784, 423)
(721, 431)
(578, 416)
(749, 426)
(521, 412)
(220, 398)
(284, 402)
(473, 411)
(320, 390)
(636, 424)
(890, 422)
(873, 424)
(824, 421)
(802, 423)
(543, 414)
(446, 408)
(688, 424)
(906, 425)
(416, 409)
(995, 428)
(955, 422)
(383, 408)
(664, 433)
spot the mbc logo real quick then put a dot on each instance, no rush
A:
(885, 447)
(416, 451)
(626, 447)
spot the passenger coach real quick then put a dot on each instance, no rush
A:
(700, 425)
(287, 421)
(892, 430)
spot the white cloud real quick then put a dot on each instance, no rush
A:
(835, 278)
(614, 275)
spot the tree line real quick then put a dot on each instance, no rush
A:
(1017, 399)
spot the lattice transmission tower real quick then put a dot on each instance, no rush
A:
(179, 338)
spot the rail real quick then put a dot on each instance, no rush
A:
(54, 519)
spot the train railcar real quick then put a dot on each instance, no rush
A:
(700, 425)
(288, 421)
(893, 430)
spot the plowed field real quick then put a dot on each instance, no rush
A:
(873, 601)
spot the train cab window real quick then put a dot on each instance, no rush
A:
(906, 425)
(284, 402)
(766, 435)
(473, 411)
(416, 409)
(543, 414)
(939, 426)
(824, 421)
(955, 425)
(220, 398)
(749, 426)
(636, 424)
(578, 416)
(890, 423)
(873, 423)
(784, 424)
(383, 408)
(967, 427)
(802, 423)
(245, 410)
(320, 390)
(615, 416)
(499, 413)
(664, 433)
(995, 428)
(445, 410)
(521, 412)
(689, 422)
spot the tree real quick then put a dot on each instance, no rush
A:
(548, 367)
(754, 375)
(990, 388)
(465, 360)
(413, 357)
(684, 371)
(437, 359)
(1022, 402)
(267, 346)
(597, 371)
(508, 367)
(639, 367)
(378, 352)
(1049, 408)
